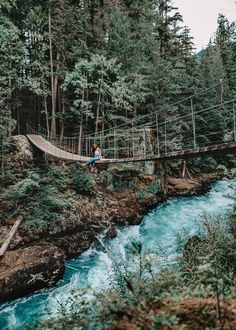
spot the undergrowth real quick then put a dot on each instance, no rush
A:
(42, 195)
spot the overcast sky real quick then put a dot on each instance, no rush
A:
(201, 17)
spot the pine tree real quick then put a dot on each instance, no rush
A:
(12, 58)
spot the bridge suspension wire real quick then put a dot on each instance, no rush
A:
(182, 125)
(172, 105)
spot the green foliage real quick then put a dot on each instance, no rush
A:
(109, 64)
(152, 188)
(42, 196)
(101, 78)
(210, 266)
(58, 177)
(81, 181)
(11, 58)
(46, 208)
(40, 200)
(141, 195)
(7, 4)
(8, 146)
(23, 190)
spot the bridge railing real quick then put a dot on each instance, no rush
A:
(74, 145)
(186, 124)
(210, 126)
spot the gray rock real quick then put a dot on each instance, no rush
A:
(24, 148)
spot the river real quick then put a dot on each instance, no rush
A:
(93, 268)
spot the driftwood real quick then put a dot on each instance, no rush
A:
(10, 236)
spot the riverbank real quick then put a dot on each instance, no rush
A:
(65, 218)
(161, 301)
(89, 216)
(78, 231)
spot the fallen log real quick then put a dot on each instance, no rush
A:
(10, 236)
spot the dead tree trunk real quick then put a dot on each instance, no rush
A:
(10, 236)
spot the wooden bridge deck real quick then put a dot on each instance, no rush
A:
(54, 151)
(50, 149)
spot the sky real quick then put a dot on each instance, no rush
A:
(201, 17)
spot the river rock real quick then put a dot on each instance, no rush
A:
(146, 177)
(30, 269)
(187, 187)
(183, 187)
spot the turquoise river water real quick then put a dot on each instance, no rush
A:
(93, 268)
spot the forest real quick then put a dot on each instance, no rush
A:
(79, 68)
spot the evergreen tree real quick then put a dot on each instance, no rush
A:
(12, 58)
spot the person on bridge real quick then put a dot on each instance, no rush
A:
(96, 151)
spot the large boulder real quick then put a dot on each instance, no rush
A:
(24, 148)
(183, 187)
(30, 269)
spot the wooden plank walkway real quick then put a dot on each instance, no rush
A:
(54, 151)
(50, 149)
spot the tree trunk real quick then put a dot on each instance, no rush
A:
(9, 105)
(39, 103)
(2, 139)
(97, 112)
(63, 115)
(80, 134)
(81, 126)
(46, 115)
(98, 105)
(53, 120)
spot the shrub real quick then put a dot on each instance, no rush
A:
(212, 262)
(152, 188)
(46, 208)
(81, 181)
(37, 199)
(58, 177)
(8, 146)
(23, 189)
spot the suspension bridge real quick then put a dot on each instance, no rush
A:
(181, 130)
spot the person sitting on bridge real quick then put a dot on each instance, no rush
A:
(97, 156)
